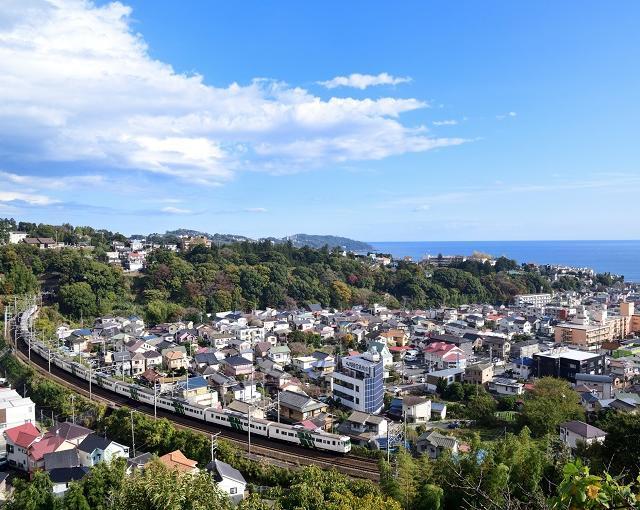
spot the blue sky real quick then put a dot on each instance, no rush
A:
(374, 120)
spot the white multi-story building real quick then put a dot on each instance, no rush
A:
(532, 299)
(358, 382)
(14, 409)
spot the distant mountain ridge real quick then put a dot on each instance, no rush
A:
(298, 240)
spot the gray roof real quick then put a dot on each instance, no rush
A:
(69, 430)
(224, 470)
(139, 460)
(299, 401)
(593, 378)
(362, 418)
(437, 439)
(69, 474)
(61, 459)
(583, 429)
(94, 442)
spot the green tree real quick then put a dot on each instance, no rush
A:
(454, 392)
(482, 409)
(551, 402)
(20, 280)
(78, 300)
(74, 498)
(33, 495)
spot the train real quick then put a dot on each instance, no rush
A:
(293, 434)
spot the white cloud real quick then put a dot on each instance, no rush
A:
(451, 122)
(33, 181)
(28, 198)
(362, 81)
(77, 85)
(256, 210)
(506, 115)
(175, 210)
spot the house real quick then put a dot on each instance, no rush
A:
(433, 443)
(237, 365)
(601, 384)
(505, 386)
(280, 354)
(48, 443)
(152, 359)
(177, 461)
(442, 355)
(497, 346)
(295, 407)
(525, 349)
(416, 409)
(14, 409)
(63, 476)
(95, 449)
(480, 373)
(438, 410)
(44, 243)
(228, 479)
(363, 427)
(78, 340)
(449, 375)
(303, 363)
(71, 432)
(574, 432)
(138, 462)
(175, 359)
(19, 439)
(244, 408)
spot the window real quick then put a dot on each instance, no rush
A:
(233, 490)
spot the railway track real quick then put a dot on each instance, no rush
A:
(293, 456)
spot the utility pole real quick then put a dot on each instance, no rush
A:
(155, 399)
(73, 408)
(278, 409)
(249, 427)
(214, 445)
(90, 392)
(133, 438)
(49, 359)
(388, 445)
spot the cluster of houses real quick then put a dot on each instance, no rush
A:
(67, 452)
(253, 362)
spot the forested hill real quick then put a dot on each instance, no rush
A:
(297, 240)
(248, 275)
(318, 241)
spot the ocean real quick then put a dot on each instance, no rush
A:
(618, 257)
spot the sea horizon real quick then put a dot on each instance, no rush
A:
(613, 256)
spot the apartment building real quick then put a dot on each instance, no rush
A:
(358, 382)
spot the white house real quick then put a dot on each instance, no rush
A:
(229, 480)
(19, 439)
(574, 432)
(505, 386)
(14, 409)
(95, 449)
(416, 409)
(280, 354)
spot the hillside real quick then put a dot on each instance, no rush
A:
(297, 240)
(318, 241)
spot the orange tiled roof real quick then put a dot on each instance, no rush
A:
(177, 460)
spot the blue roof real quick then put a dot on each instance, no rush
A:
(194, 383)
(527, 362)
(438, 406)
(82, 332)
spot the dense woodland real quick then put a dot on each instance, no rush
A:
(243, 276)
